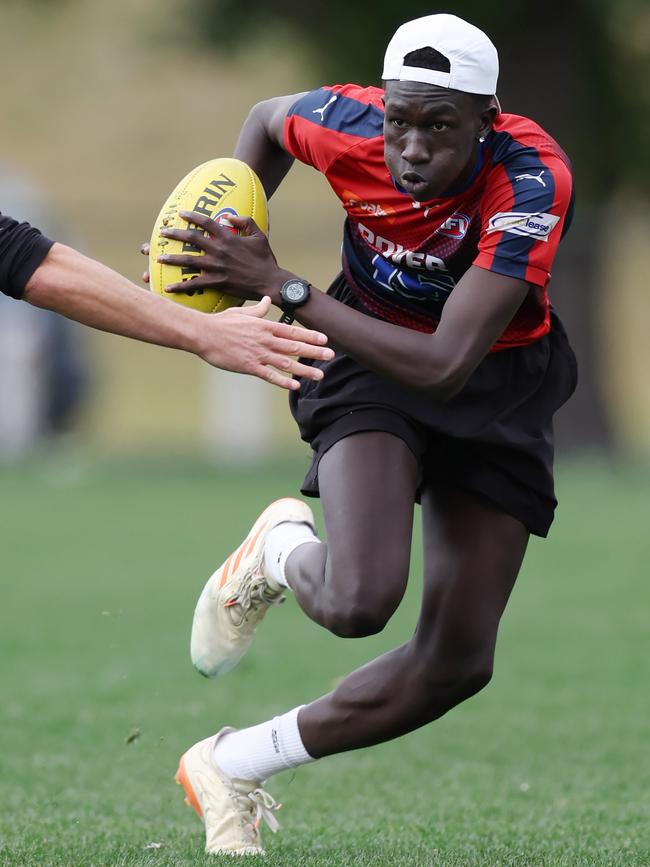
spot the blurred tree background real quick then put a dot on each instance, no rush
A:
(580, 68)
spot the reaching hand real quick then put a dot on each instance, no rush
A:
(241, 340)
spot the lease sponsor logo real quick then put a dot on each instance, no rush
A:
(533, 225)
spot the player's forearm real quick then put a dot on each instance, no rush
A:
(411, 358)
(85, 290)
(257, 148)
(475, 315)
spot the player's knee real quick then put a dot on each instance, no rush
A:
(355, 622)
(369, 599)
(473, 679)
(357, 616)
(456, 683)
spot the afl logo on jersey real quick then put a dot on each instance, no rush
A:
(455, 226)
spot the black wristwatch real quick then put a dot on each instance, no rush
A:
(293, 294)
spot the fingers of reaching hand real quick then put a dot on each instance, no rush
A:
(269, 374)
(303, 335)
(278, 358)
(301, 349)
(318, 353)
(281, 354)
(293, 366)
(287, 339)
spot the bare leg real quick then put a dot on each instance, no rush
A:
(353, 584)
(472, 555)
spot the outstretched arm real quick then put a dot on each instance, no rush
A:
(474, 317)
(239, 340)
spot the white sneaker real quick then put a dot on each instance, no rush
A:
(237, 596)
(231, 810)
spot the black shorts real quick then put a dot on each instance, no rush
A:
(495, 438)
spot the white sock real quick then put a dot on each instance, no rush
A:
(280, 543)
(260, 751)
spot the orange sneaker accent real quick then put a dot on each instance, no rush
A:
(226, 569)
(252, 542)
(228, 807)
(244, 549)
(237, 596)
(183, 780)
(240, 554)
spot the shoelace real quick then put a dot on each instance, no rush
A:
(254, 593)
(266, 807)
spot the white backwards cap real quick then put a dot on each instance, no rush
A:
(473, 59)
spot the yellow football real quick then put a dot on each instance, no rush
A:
(219, 188)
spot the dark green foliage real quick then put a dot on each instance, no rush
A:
(576, 67)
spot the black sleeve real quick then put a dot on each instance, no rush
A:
(22, 249)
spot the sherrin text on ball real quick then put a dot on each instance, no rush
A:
(218, 188)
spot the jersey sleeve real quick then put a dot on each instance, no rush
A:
(22, 249)
(325, 123)
(523, 214)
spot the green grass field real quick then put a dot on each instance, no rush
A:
(101, 566)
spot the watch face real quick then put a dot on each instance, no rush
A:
(294, 292)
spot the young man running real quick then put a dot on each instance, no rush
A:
(450, 365)
(63, 280)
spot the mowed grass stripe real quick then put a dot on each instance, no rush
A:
(101, 566)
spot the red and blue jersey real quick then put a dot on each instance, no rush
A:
(403, 258)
